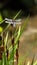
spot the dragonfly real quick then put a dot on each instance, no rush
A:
(14, 22)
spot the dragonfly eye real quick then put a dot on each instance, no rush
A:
(11, 24)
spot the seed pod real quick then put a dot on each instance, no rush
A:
(0, 40)
(18, 43)
(7, 51)
(3, 36)
(17, 55)
(13, 41)
(1, 51)
(0, 56)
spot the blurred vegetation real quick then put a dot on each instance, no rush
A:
(10, 61)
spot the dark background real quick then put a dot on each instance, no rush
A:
(28, 6)
(17, 4)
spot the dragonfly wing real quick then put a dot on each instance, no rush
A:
(18, 23)
(14, 24)
(18, 20)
